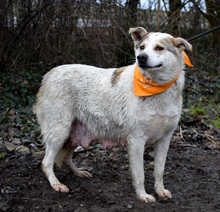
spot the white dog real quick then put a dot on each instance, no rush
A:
(80, 105)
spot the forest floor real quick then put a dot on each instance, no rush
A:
(192, 174)
(192, 171)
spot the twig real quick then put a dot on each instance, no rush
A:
(6, 111)
(181, 134)
(209, 137)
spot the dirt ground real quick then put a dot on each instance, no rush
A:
(192, 174)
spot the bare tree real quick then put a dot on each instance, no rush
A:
(53, 32)
(132, 6)
(174, 15)
(212, 15)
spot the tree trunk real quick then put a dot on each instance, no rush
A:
(174, 16)
(213, 17)
(132, 6)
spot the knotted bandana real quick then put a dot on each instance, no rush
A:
(144, 86)
(187, 60)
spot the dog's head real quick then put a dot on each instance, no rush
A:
(158, 53)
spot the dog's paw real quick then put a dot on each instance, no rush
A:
(83, 174)
(164, 193)
(60, 187)
(146, 198)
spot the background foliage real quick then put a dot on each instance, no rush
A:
(39, 32)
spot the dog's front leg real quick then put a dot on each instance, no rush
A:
(160, 154)
(136, 156)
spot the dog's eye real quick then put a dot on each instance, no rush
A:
(159, 48)
(142, 47)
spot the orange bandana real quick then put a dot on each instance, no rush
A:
(144, 86)
(187, 60)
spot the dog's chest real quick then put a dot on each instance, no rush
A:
(157, 116)
(156, 126)
(163, 107)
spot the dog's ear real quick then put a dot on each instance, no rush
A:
(182, 44)
(138, 33)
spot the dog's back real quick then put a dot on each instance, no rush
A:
(82, 92)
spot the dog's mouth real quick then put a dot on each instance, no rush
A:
(151, 67)
(157, 66)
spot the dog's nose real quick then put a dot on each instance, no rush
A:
(142, 59)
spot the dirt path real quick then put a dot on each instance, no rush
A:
(192, 174)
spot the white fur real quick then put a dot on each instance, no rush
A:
(110, 110)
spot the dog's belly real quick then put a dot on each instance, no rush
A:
(81, 136)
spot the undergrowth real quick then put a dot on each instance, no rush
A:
(18, 91)
(202, 96)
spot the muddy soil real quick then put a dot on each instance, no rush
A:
(192, 174)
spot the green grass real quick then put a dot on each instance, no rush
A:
(216, 122)
(2, 155)
(202, 96)
(196, 111)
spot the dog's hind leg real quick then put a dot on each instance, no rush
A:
(69, 164)
(53, 146)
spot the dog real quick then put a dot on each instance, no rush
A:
(78, 105)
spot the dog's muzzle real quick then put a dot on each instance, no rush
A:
(142, 60)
